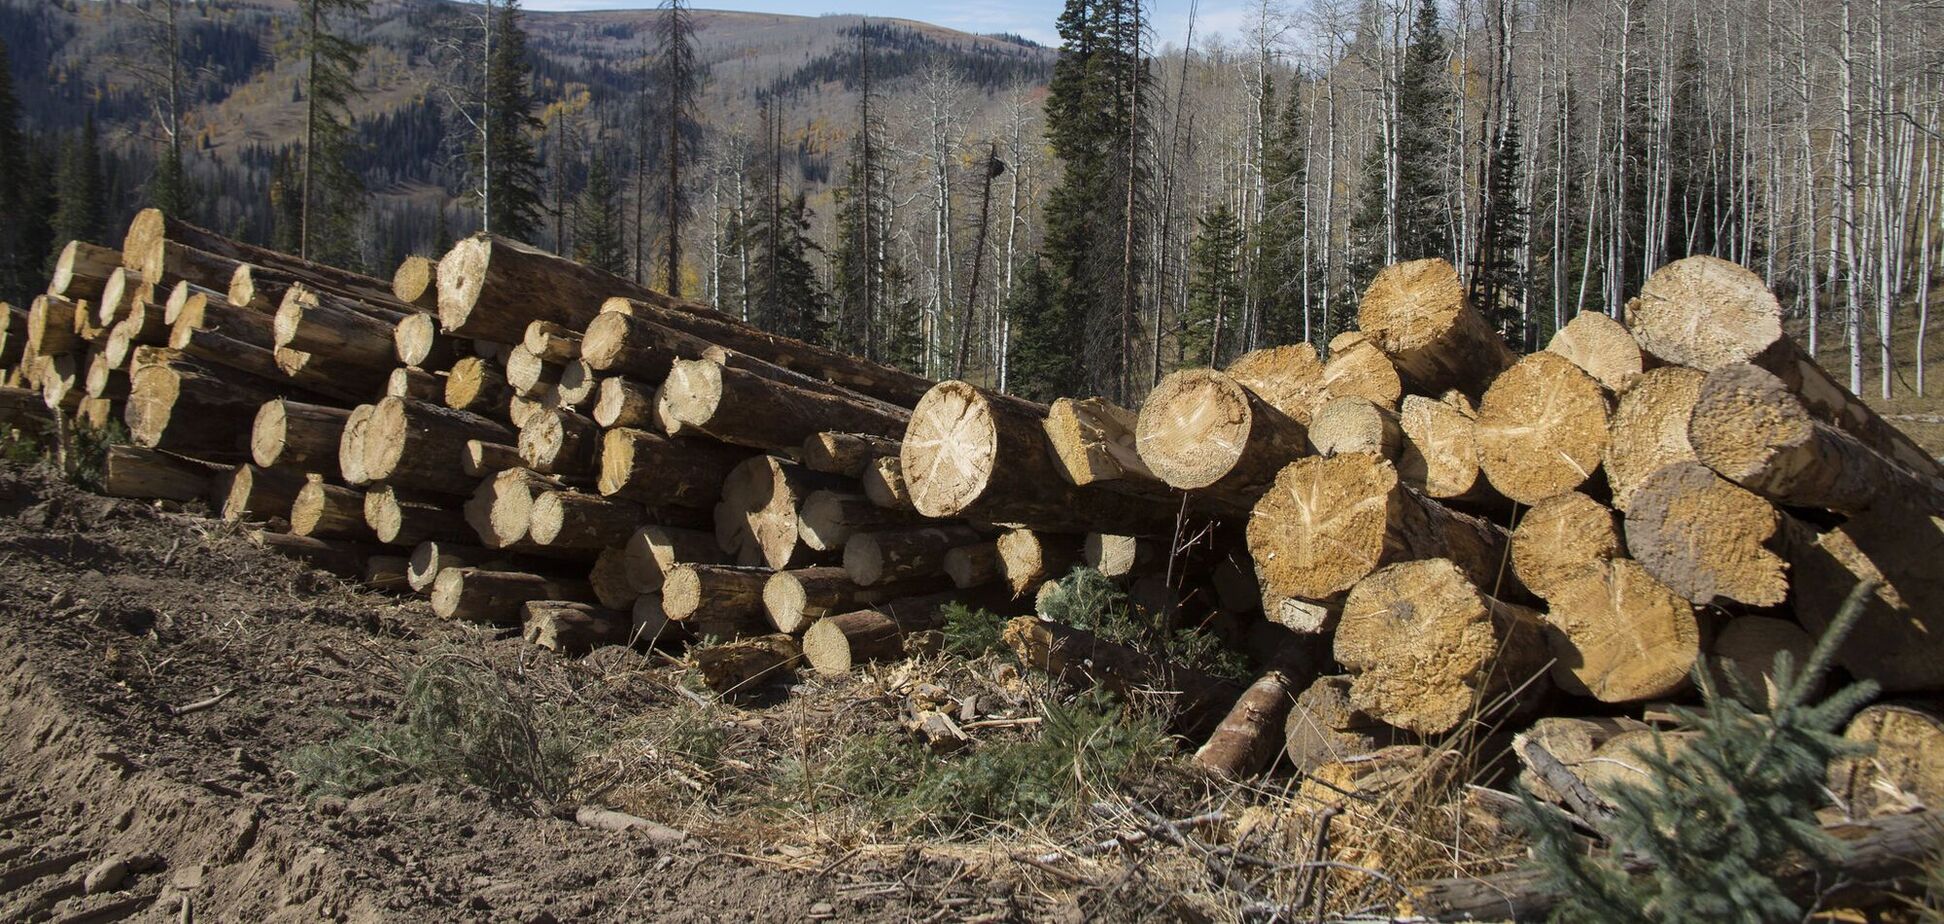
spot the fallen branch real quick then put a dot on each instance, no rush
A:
(602, 819)
(202, 704)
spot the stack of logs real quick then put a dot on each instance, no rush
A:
(1422, 536)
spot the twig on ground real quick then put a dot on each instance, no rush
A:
(202, 704)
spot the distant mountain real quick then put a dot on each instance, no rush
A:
(72, 58)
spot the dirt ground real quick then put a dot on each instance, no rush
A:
(116, 802)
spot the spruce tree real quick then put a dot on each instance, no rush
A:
(786, 294)
(1042, 356)
(861, 263)
(15, 261)
(286, 203)
(1499, 281)
(506, 155)
(331, 203)
(1280, 281)
(598, 237)
(81, 213)
(1405, 190)
(1207, 327)
(674, 130)
(903, 339)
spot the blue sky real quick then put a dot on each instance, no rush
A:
(1031, 18)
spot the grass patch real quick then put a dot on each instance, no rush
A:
(458, 723)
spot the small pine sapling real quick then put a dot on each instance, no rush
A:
(1710, 836)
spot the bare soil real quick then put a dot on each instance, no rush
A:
(116, 614)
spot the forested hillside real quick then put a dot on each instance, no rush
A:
(1048, 220)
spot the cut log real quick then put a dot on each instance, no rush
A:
(837, 643)
(481, 459)
(417, 444)
(1541, 429)
(1707, 538)
(418, 384)
(295, 434)
(572, 520)
(836, 367)
(653, 550)
(432, 556)
(757, 520)
(1029, 558)
(472, 384)
(81, 271)
(131, 471)
(724, 601)
(1358, 369)
(120, 290)
(1746, 648)
(578, 385)
(973, 454)
(400, 520)
(351, 445)
(528, 374)
(335, 556)
(214, 315)
(572, 628)
(158, 246)
(13, 333)
(1093, 441)
(1427, 649)
(1561, 538)
(1248, 738)
(656, 471)
(520, 411)
(609, 579)
(884, 484)
(386, 573)
(50, 326)
(104, 379)
(847, 454)
(97, 413)
(749, 410)
(500, 508)
(328, 511)
(1329, 523)
(1440, 454)
(491, 288)
(1748, 426)
(1620, 636)
(903, 554)
(561, 442)
(1236, 587)
(622, 403)
(1288, 377)
(262, 289)
(1905, 765)
(1417, 314)
(1118, 556)
(1197, 701)
(247, 492)
(652, 627)
(796, 599)
(58, 377)
(829, 518)
(416, 342)
(143, 325)
(494, 598)
(179, 407)
(1200, 431)
(746, 664)
(1601, 347)
(1356, 424)
(325, 374)
(350, 332)
(416, 283)
(551, 342)
(1326, 727)
(1649, 430)
(1899, 639)
(973, 565)
(1572, 742)
(618, 344)
(1707, 313)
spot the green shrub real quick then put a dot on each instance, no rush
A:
(971, 632)
(459, 723)
(1720, 820)
(88, 457)
(1087, 599)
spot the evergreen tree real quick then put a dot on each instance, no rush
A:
(169, 188)
(506, 155)
(599, 240)
(16, 262)
(81, 213)
(1404, 210)
(903, 339)
(1499, 282)
(674, 130)
(286, 203)
(331, 203)
(786, 295)
(860, 267)
(1042, 354)
(1280, 281)
(1207, 328)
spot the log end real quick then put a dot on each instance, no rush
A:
(950, 449)
(1194, 427)
(1705, 312)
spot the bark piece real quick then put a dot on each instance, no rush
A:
(1541, 429)
(1649, 429)
(1707, 538)
(571, 627)
(131, 471)
(1561, 538)
(1329, 523)
(1417, 314)
(1248, 738)
(1427, 648)
(1203, 432)
(973, 454)
(1601, 347)
(1750, 428)
(1620, 636)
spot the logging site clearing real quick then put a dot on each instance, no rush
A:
(510, 590)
